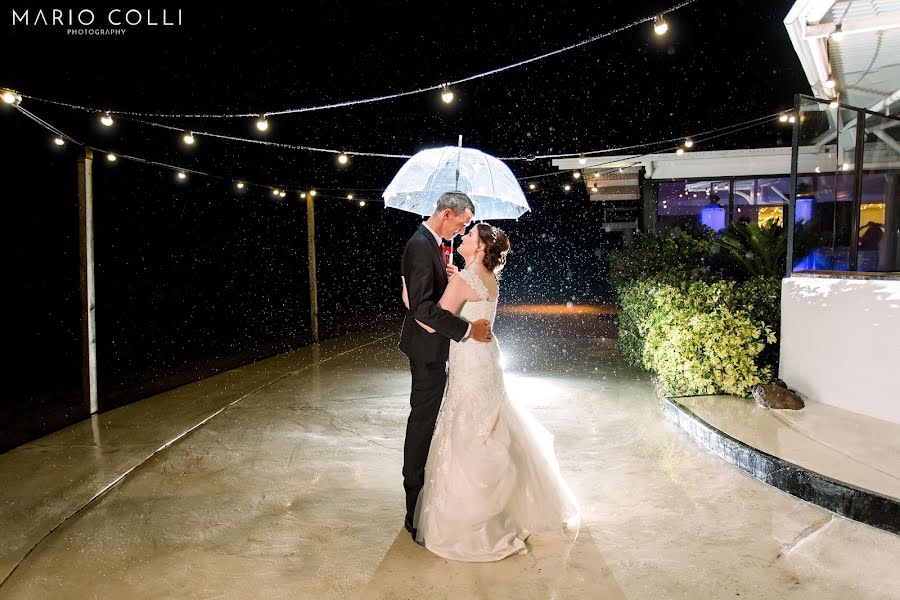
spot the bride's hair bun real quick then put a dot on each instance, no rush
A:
(496, 247)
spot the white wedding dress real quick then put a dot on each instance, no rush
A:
(492, 478)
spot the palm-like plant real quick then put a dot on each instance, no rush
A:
(751, 250)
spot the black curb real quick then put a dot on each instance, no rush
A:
(839, 497)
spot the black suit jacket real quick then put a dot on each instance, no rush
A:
(423, 268)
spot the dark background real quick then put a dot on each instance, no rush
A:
(194, 278)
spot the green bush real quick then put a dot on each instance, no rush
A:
(678, 317)
(698, 342)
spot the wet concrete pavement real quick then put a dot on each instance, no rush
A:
(289, 486)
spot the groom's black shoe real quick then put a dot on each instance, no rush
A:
(412, 531)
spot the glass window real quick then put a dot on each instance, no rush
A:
(692, 203)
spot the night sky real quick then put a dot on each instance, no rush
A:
(193, 278)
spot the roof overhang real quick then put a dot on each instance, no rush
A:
(862, 59)
(710, 164)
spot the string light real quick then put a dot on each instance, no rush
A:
(830, 82)
(362, 202)
(688, 143)
(343, 158)
(10, 97)
(529, 158)
(107, 120)
(576, 175)
(838, 33)
(660, 26)
(582, 160)
(312, 193)
(594, 189)
(188, 138)
(845, 167)
(792, 119)
(262, 124)
(680, 151)
(446, 94)
(532, 186)
(834, 103)
(567, 187)
(180, 174)
(349, 196)
(783, 118)
(521, 63)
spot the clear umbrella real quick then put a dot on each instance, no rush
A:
(486, 180)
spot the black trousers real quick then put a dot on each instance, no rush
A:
(428, 383)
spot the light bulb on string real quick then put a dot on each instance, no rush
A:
(59, 141)
(446, 95)
(188, 138)
(829, 83)
(349, 196)
(107, 119)
(835, 103)
(276, 192)
(362, 202)
(343, 158)
(660, 26)
(576, 175)
(262, 124)
(792, 119)
(838, 33)
(10, 97)
(111, 157)
(688, 143)
(312, 193)
(594, 189)
(532, 186)
(582, 160)
(680, 151)
(845, 167)
(783, 118)
(182, 175)
(567, 187)
(239, 185)
(303, 194)
(282, 194)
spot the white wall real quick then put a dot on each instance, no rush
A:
(840, 342)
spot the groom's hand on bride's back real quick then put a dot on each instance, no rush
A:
(481, 331)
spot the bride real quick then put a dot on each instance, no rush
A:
(492, 478)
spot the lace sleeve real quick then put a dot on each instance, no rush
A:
(474, 281)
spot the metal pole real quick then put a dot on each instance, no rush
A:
(311, 252)
(859, 152)
(792, 200)
(86, 236)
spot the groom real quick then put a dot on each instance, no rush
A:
(426, 278)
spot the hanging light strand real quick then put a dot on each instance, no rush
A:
(699, 138)
(384, 97)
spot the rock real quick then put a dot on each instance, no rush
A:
(771, 395)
